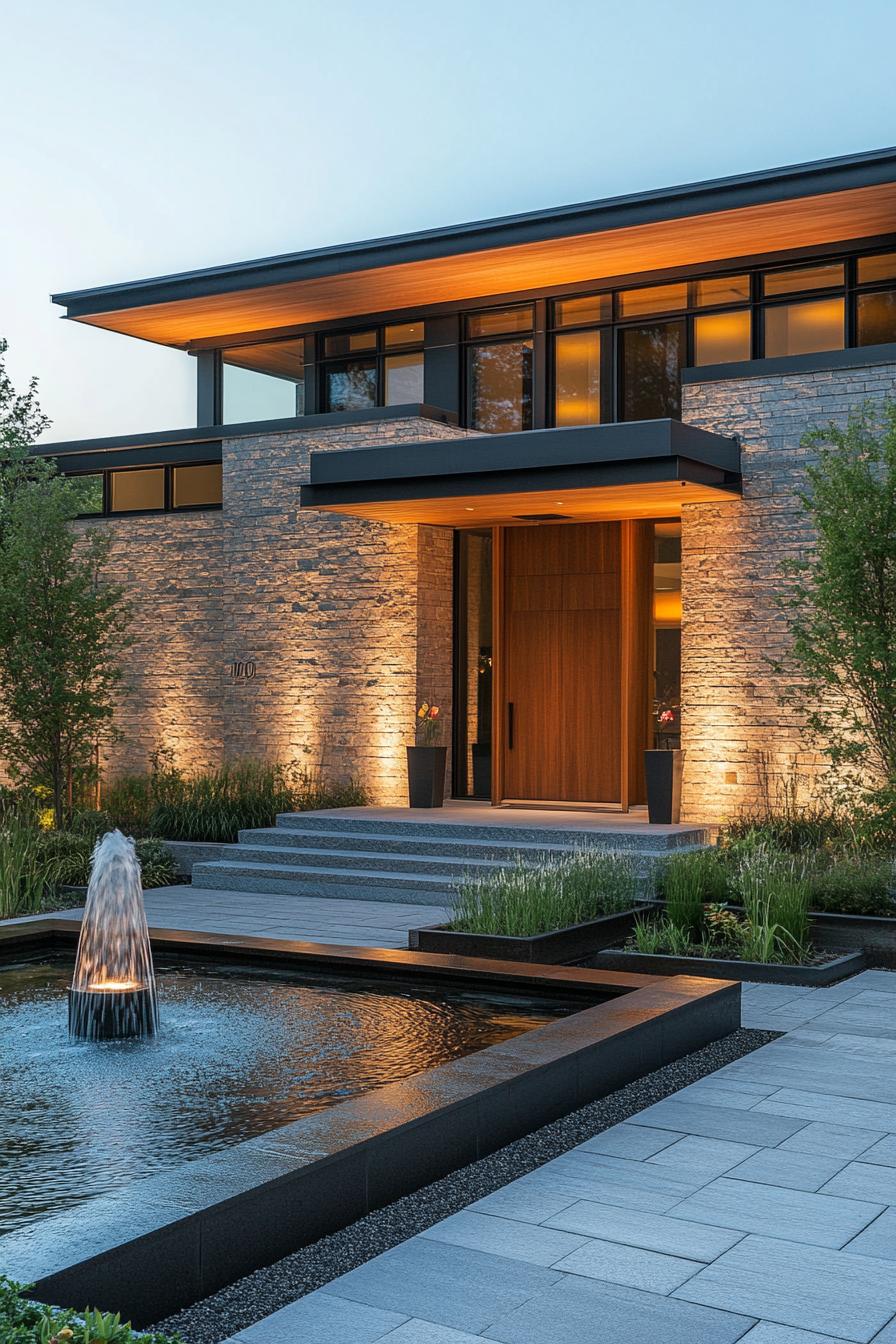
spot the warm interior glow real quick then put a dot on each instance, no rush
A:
(667, 608)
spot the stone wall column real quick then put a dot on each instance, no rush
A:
(744, 749)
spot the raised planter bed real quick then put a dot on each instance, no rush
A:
(647, 963)
(872, 934)
(570, 944)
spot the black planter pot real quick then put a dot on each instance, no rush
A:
(662, 770)
(426, 776)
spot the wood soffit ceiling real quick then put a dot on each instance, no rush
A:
(834, 217)
(660, 499)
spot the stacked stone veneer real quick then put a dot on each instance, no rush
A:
(742, 746)
(344, 621)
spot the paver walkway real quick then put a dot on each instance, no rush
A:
(318, 920)
(759, 1204)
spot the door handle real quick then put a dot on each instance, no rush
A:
(510, 725)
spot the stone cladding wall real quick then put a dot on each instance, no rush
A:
(742, 746)
(341, 622)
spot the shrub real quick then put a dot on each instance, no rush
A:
(523, 900)
(214, 805)
(158, 866)
(23, 1321)
(129, 801)
(67, 857)
(790, 832)
(853, 884)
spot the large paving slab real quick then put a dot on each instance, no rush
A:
(758, 1205)
(350, 923)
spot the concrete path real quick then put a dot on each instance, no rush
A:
(758, 1205)
(318, 920)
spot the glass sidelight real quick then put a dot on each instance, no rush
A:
(473, 665)
(667, 634)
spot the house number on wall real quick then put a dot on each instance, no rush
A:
(241, 670)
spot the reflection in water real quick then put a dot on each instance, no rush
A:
(240, 1054)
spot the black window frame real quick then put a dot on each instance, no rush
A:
(541, 305)
(470, 343)
(168, 468)
(612, 371)
(220, 390)
(378, 354)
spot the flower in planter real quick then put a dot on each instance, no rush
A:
(667, 728)
(429, 729)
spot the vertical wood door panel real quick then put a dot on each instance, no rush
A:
(563, 633)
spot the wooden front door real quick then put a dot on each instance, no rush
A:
(575, 681)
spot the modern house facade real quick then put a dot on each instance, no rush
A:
(542, 470)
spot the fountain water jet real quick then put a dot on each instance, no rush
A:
(113, 992)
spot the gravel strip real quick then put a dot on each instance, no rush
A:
(267, 1290)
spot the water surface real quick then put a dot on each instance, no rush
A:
(238, 1053)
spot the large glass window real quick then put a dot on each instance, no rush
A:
(721, 291)
(473, 665)
(191, 485)
(804, 328)
(196, 486)
(500, 386)
(803, 278)
(499, 322)
(583, 311)
(577, 360)
(652, 299)
(90, 494)
(667, 634)
(499, 372)
(876, 318)
(376, 367)
(403, 379)
(351, 386)
(264, 381)
(349, 343)
(650, 375)
(721, 338)
(139, 491)
(881, 267)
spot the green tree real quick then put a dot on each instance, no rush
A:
(841, 607)
(63, 629)
(21, 423)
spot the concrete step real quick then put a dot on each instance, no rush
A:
(449, 847)
(404, 861)
(360, 884)
(634, 836)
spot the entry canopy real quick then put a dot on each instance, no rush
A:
(646, 469)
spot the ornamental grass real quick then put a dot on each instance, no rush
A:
(528, 899)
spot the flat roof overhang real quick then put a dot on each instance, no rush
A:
(831, 201)
(645, 469)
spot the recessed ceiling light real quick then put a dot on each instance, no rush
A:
(468, 508)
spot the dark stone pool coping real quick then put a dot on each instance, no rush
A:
(171, 1239)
